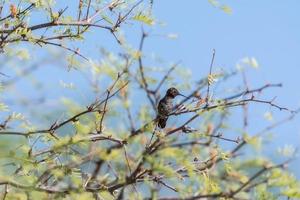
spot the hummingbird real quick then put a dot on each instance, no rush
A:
(165, 106)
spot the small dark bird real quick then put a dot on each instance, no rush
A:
(165, 106)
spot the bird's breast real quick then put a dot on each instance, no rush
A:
(165, 107)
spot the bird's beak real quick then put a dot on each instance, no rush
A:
(182, 95)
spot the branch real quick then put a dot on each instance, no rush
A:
(166, 76)
(31, 6)
(92, 108)
(29, 188)
(209, 76)
(141, 69)
(233, 193)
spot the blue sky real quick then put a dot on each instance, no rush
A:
(267, 30)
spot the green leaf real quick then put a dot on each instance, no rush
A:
(261, 193)
(226, 9)
(107, 19)
(292, 192)
(3, 107)
(143, 18)
(268, 116)
(252, 62)
(287, 150)
(23, 54)
(214, 3)
(254, 141)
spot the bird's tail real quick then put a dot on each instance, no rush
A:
(162, 121)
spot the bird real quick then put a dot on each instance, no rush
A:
(165, 106)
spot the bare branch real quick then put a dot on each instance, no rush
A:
(209, 76)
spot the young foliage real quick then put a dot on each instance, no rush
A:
(107, 145)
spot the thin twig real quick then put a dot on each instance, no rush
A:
(166, 76)
(209, 76)
(103, 113)
(141, 69)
